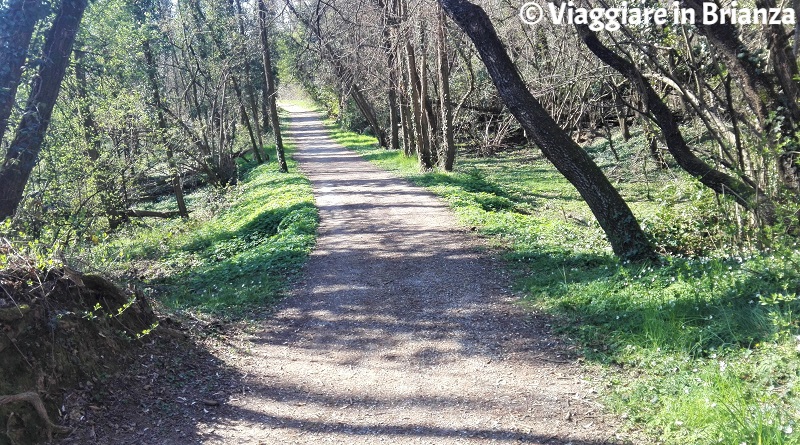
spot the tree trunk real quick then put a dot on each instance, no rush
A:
(27, 143)
(110, 198)
(17, 22)
(449, 145)
(251, 94)
(746, 195)
(409, 142)
(615, 217)
(369, 113)
(174, 171)
(389, 25)
(422, 135)
(270, 82)
(758, 90)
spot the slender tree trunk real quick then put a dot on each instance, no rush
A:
(444, 95)
(344, 77)
(23, 152)
(270, 82)
(615, 217)
(390, 25)
(428, 117)
(113, 204)
(246, 119)
(758, 90)
(409, 142)
(251, 94)
(155, 92)
(17, 22)
(369, 113)
(422, 135)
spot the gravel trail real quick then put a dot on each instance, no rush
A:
(402, 330)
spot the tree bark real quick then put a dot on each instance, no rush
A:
(615, 217)
(449, 146)
(251, 94)
(744, 194)
(758, 90)
(174, 171)
(422, 136)
(17, 22)
(390, 25)
(270, 81)
(24, 150)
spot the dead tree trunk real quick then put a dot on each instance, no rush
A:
(615, 217)
(27, 143)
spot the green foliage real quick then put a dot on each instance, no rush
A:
(234, 255)
(696, 350)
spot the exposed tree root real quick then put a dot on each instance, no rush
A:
(36, 401)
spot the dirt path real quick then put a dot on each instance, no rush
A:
(401, 331)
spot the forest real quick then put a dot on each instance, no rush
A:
(637, 182)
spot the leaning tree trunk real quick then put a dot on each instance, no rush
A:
(270, 82)
(24, 150)
(17, 22)
(615, 217)
(746, 195)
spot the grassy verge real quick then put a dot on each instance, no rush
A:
(233, 256)
(703, 349)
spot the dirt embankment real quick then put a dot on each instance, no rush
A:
(59, 330)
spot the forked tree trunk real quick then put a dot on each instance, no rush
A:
(270, 82)
(24, 150)
(615, 217)
(17, 22)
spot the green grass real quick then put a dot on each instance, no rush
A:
(233, 256)
(702, 349)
